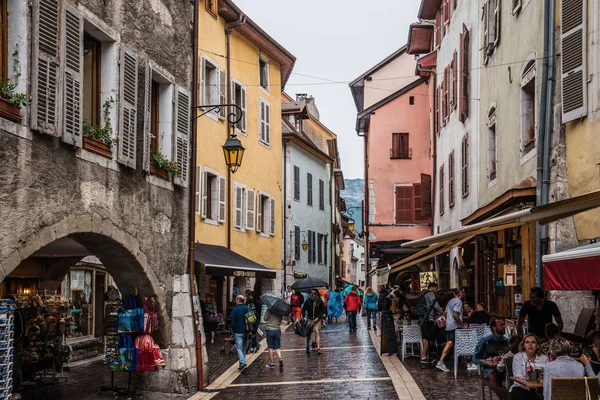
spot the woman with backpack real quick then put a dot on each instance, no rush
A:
(371, 308)
(296, 302)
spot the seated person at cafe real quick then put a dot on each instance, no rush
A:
(513, 348)
(467, 311)
(562, 366)
(530, 356)
(491, 346)
(591, 349)
(588, 364)
(479, 316)
(539, 312)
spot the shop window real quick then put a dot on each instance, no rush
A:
(263, 72)
(528, 108)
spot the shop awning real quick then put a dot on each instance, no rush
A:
(543, 214)
(575, 269)
(220, 261)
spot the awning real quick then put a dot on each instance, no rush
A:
(220, 261)
(420, 38)
(543, 214)
(575, 269)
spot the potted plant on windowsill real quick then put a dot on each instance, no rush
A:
(11, 102)
(161, 166)
(99, 139)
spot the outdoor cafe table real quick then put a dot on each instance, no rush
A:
(529, 384)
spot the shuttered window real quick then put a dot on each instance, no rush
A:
(127, 131)
(573, 59)
(418, 202)
(446, 107)
(438, 29)
(309, 189)
(441, 186)
(436, 110)
(238, 92)
(325, 253)
(182, 128)
(198, 189)
(73, 85)
(272, 216)
(265, 122)
(427, 210)
(320, 248)
(314, 248)
(464, 73)
(465, 165)
(446, 7)
(321, 195)
(451, 172)
(454, 81)
(296, 183)
(297, 242)
(404, 204)
(222, 93)
(222, 199)
(238, 222)
(310, 247)
(250, 208)
(400, 147)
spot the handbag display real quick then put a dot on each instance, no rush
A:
(131, 319)
(124, 358)
(150, 317)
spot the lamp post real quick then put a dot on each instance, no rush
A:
(350, 212)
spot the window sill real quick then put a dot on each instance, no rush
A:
(492, 183)
(19, 130)
(266, 91)
(240, 230)
(239, 131)
(400, 158)
(264, 235)
(160, 182)
(211, 222)
(267, 145)
(530, 154)
(97, 159)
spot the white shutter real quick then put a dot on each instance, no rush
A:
(272, 215)
(222, 93)
(147, 118)
(573, 59)
(262, 121)
(222, 198)
(72, 68)
(259, 221)
(232, 100)
(516, 6)
(182, 135)
(237, 216)
(45, 78)
(268, 124)
(497, 23)
(198, 189)
(202, 87)
(205, 190)
(243, 105)
(251, 206)
(127, 125)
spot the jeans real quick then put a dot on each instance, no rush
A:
(372, 313)
(241, 348)
(352, 319)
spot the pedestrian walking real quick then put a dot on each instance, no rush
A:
(427, 307)
(371, 307)
(238, 326)
(213, 317)
(454, 311)
(324, 293)
(254, 307)
(335, 306)
(273, 337)
(352, 305)
(314, 310)
(296, 302)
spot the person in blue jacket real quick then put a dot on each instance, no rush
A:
(371, 307)
(238, 326)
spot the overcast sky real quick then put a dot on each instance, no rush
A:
(336, 40)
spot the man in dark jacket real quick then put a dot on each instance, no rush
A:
(238, 326)
(254, 305)
(314, 309)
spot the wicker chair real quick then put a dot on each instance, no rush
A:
(411, 335)
(466, 341)
(575, 388)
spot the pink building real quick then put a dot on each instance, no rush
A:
(398, 156)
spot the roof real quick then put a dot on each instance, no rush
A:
(293, 107)
(221, 261)
(391, 97)
(427, 62)
(232, 13)
(429, 9)
(420, 38)
(290, 133)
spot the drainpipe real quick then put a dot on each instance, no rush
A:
(285, 222)
(545, 136)
(192, 204)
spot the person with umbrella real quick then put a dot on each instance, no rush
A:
(314, 310)
(276, 310)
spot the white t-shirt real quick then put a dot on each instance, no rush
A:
(453, 305)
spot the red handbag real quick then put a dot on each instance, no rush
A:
(150, 317)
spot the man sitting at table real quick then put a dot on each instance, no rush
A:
(493, 345)
(562, 366)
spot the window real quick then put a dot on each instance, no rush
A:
(154, 117)
(309, 189)
(320, 248)
(212, 7)
(362, 255)
(250, 209)
(213, 86)
(314, 246)
(325, 259)
(446, 102)
(321, 195)
(404, 204)
(411, 100)
(263, 73)
(310, 246)
(3, 40)
(265, 122)
(422, 200)
(240, 201)
(491, 28)
(297, 242)
(441, 185)
(265, 215)
(492, 154)
(438, 28)
(436, 110)
(362, 268)
(238, 92)
(400, 149)
(464, 74)
(451, 179)
(453, 79)
(213, 197)
(465, 165)
(161, 115)
(296, 183)
(91, 81)
(528, 108)
(573, 39)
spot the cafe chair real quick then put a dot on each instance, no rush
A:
(575, 388)
(466, 342)
(411, 335)
(508, 362)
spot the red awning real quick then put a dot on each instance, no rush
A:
(576, 269)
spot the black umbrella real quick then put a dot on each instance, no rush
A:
(306, 284)
(275, 304)
(303, 327)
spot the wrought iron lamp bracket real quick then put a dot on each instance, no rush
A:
(233, 117)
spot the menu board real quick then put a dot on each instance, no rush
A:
(389, 343)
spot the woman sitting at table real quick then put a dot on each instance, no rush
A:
(562, 366)
(530, 356)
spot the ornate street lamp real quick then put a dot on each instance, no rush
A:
(304, 245)
(351, 224)
(234, 153)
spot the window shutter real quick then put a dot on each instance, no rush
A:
(243, 105)
(127, 125)
(182, 127)
(426, 193)
(296, 242)
(268, 123)
(272, 215)
(465, 165)
(497, 23)
(251, 206)
(464, 74)
(296, 183)
(325, 259)
(202, 87)
(147, 118)
(222, 93)
(516, 6)
(451, 179)
(198, 189)
(445, 94)
(261, 119)
(237, 216)
(446, 13)
(309, 189)
(319, 249)
(73, 90)
(223, 199)
(454, 81)
(418, 202)
(441, 184)
(395, 145)
(438, 25)
(205, 190)
(436, 110)
(45, 67)
(321, 195)
(573, 61)
(259, 220)
(314, 248)
(310, 247)
(404, 205)
(454, 3)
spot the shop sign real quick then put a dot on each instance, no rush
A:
(244, 274)
(77, 280)
(518, 298)
(510, 275)
(427, 278)
(300, 275)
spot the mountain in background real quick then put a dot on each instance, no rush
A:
(354, 194)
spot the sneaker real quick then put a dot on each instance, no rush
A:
(281, 363)
(424, 360)
(368, 328)
(374, 327)
(472, 367)
(307, 349)
(243, 367)
(442, 367)
(270, 366)
(318, 350)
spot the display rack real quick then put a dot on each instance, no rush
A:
(6, 347)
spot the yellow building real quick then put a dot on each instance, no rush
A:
(239, 216)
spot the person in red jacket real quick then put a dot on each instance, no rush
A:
(352, 304)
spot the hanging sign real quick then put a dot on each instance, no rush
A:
(510, 275)
(427, 278)
(77, 280)
(244, 274)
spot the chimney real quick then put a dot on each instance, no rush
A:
(310, 103)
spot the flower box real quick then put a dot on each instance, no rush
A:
(97, 147)
(160, 172)
(10, 112)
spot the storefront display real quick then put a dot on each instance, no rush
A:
(6, 347)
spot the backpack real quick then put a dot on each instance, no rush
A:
(421, 308)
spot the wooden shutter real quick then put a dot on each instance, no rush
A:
(321, 195)
(237, 206)
(296, 183)
(182, 128)
(496, 36)
(259, 213)
(516, 6)
(147, 118)
(127, 125)
(454, 81)
(297, 242)
(222, 82)
(573, 60)
(438, 29)
(198, 189)
(395, 152)
(404, 205)
(451, 179)
(45, 68)
(436, 110)
(418, 202)
(262, 121)
(72, 76)
(272, 215)
(268, 123)
(404, 149)
(309, 189)
(465, 165)
(243, 105)
(314, 249)
(205, 189)
(223, 199)
(446, 6)
(202, 88)
(310, 244)
(325, 259)
(251, 207)
(464, 74)
(427, 210)
(454, 2)
(319, 248)
(441, 184)
(445, 101)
